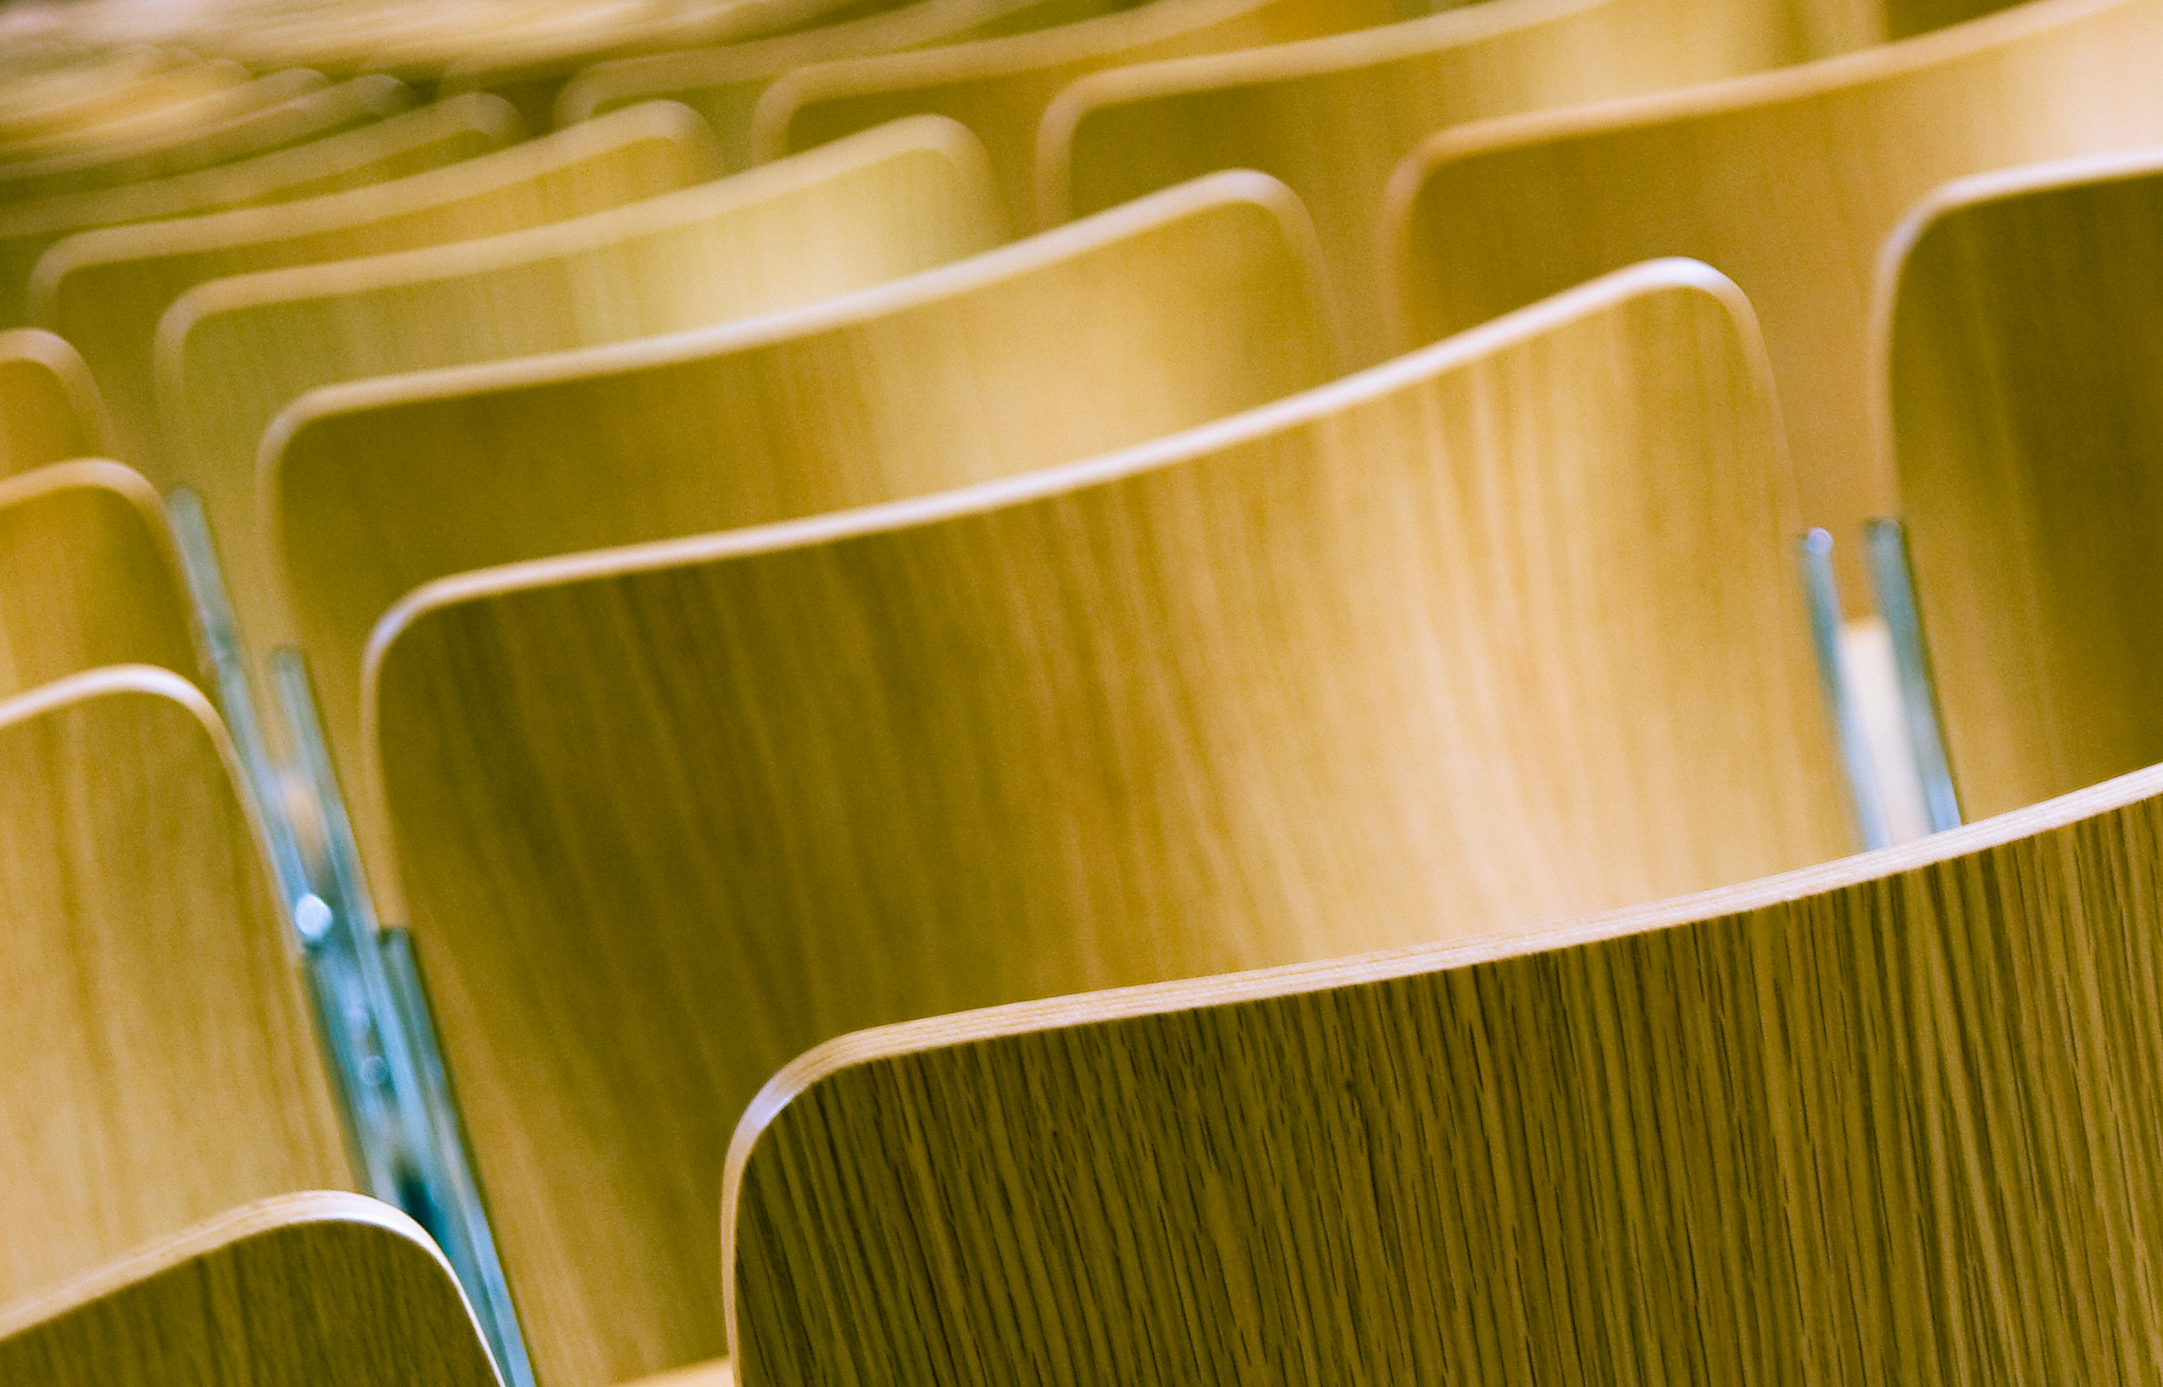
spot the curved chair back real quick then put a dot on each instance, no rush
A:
(1172, 311)
(49, 406)
(1332, 116)
(89, 576)
(330, 1289)
(233, 352)
(105, 290)
(1809, 1130)
(1000, 87)
(1789, 182)
(2018, 372)
(161, 1065)
(1402, 657)
(395, 147)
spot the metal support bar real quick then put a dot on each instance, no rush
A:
(1894, 579)
(1822, 593)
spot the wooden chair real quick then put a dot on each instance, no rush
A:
(398, 146)
(532, 72)
(1399, 658)
(1889, 1120)
(1171, 311)
(1332, 116)
(324, 1288)
(252, 118)
(1788, 182)
(2015, 366)
(105, 290)
(879, 207)
(1000, 87)
(49, 407)
(89, 576)
(724, 83)
(160, 1062)
(86, 105)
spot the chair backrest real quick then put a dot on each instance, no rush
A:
(414, 142)
(1788, 182)
(233, 352)
(724, 83)
(105, 290)
(102, 114)
(324, 1288)
(268, 112)
(161, 1066)
(1332, 116)
(1000, 87)
(2018, 368)
(89, 576)
(1178, 309)
(1817, 1129)
(531, 72)
(1399, 658)
(49, 407)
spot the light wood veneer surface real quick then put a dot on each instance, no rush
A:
(49, 406)
(1401, 657)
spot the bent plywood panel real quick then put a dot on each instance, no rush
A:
(1332, 116)
(49, 406)
(1000, 87)
(105, 290)
(1400, 656)
(1892, 1120)
(438, 134)
(2017, 372)
(89, 576)
(160, 1062)
(1178, 309)
(1788, 182)
(323, 1288)
(233, 352)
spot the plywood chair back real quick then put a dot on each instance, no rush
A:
(1884, 1121)
(265, 113)
(326, 1288)
(1000, 87)
(724, 83)
(438, 134)
(1181, 308)
(860, 212)
(2017, 370)
(49, 407)
(1397, 658)
(1788, 182)
(531, 72)
(89, 576)
(1332, 116)
(105, 290)
(160, 1062)
(88, 106)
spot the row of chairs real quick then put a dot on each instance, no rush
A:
(1292, 652)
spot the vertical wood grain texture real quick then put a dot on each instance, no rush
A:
(49, 407)
(2018, 363)
(724, 83)
(1332, 116)
(88, 577)
(1000, 87)
(320, 1289)
(105, 290)
(233, 352)
(161, 1065)
(1176, 310)
(395, 147)
(1401, 657)
(1889, 1122)
(1788, 182)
